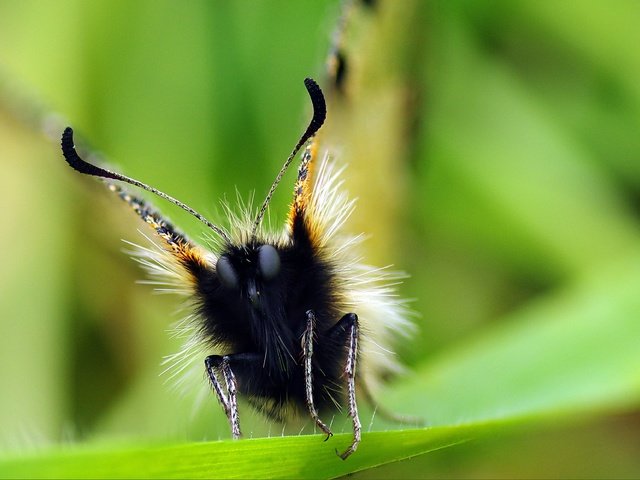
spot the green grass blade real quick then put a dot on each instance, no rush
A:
(280, 457)
(576, 351)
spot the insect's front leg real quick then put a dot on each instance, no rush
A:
(229, 400)
(347, 330)
(307, 354)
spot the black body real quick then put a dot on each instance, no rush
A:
(264, 336)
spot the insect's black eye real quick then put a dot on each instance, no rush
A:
(227, 274)
(268, 262)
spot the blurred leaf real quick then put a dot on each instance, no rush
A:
(574, 352)
(505, 174)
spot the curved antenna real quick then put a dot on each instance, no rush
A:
(319, 115)
(78, 164)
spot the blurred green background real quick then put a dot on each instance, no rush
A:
(493, 146)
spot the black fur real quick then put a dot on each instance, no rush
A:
(263, 338)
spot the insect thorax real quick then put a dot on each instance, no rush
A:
(256, 302)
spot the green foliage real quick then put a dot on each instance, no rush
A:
(510, 196)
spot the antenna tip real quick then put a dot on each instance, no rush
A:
(68, 149)
(311, 84)
(77, 163)
(319, 106)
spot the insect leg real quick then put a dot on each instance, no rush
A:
(349, 325)
(230, 400)
(307, 353)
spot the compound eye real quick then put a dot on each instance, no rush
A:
(268, 262)
(227, 274)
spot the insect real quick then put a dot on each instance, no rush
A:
(291, 320)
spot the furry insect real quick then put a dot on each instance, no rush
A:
(296, 320)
